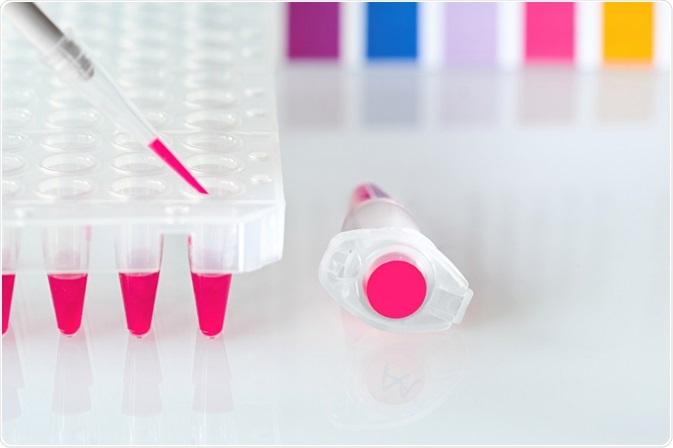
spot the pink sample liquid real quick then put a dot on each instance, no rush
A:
(167, 156)
(211, 292)
(139, 291)
(67, 294)
(7, 291)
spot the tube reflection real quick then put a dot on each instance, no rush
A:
(12, 381)
(141, 401)
(393, 379)
(212, 401)
(71, 400)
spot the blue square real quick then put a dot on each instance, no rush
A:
(392, 31)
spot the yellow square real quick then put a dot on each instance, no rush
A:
(627, 32)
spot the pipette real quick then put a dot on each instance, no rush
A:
(70, 61)
(382, 269)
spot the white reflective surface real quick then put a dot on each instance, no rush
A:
(548, 189)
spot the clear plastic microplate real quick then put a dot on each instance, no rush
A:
(78, 195)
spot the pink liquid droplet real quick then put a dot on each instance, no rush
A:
(139, 291)
(211, 292)
(67, 294)
(7, 292)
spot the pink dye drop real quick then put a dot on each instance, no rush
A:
(211, 292)
(67, 293)
(7, 292)
(139, 291)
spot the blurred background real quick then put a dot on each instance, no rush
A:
(531, 142)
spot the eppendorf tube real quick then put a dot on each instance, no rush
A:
(212, 250)
(66, 258)
(382, 269)
(10, 259)
(139, 249)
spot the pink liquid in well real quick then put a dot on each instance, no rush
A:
(67, 294)
(139, 291)
(7, 291)
(211, 292)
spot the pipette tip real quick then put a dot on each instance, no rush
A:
(167, 156)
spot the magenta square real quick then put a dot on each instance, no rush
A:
(313, 30)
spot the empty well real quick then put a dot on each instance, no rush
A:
(211, 98)
(255, 112)
(214, 164)
(254, 91)
(65, 187)
(71, 141)
(214, 120)
(260, 179)
(144, 77)
(10, 187)
(66, 98)
(13, 141)
(138, 163)
(138, 187)
(258, 156)
(213, 142)
(210, 60)
(158, 119)
(68, 163)
(15, 118)
(17, 97)
(137, 39)
(74, 118)
(214, 79)
(144, 97)
(144, 58)
(11, 163)
(205, 39)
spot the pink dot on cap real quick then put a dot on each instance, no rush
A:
(395, 289)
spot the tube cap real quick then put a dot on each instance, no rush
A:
(395, 289)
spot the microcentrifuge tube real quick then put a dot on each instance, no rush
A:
(139, 249)
(382, 269)
(211, 292)
(67, 293)
(10, 259)
(139, 291)
(7, 292)
(66, 252)
(208, 257)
